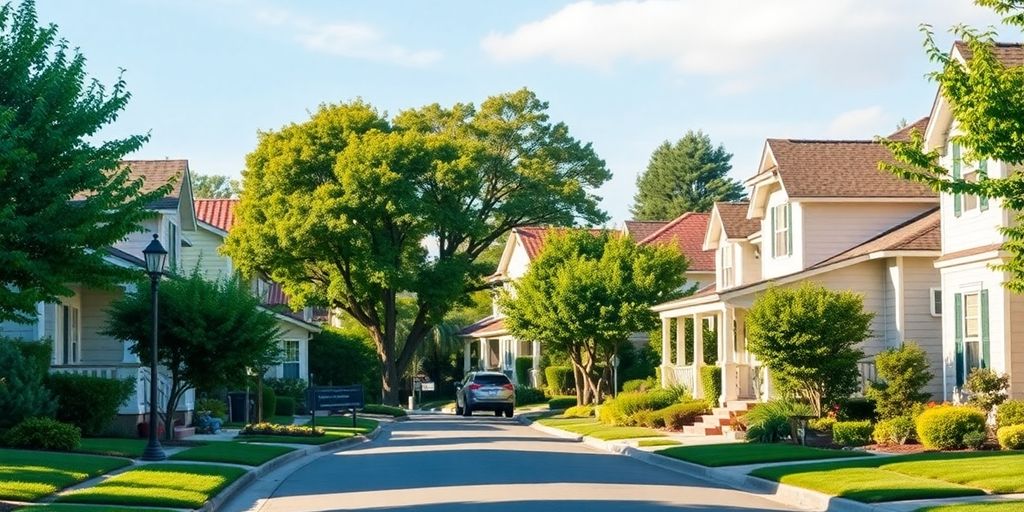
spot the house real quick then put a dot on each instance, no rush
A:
(75, 322)
(497, 349)
(214, 220)
(821, 211)
(982, 321)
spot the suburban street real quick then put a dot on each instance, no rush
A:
(449, 463)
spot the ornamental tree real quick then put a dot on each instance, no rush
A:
(341, 209)
(807, 337)
(585, 294)
(689, 175)
(210, 333)
(63, 196)
(902, 374)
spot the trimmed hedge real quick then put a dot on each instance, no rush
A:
(823, 424)
(560, 379)
(43, 434)
(90, 403)
(269, 404)
(634, 385)
(579, 411)
(527, 396)
(852, 433)
(896, 430)
(218, 408)
(1011, 437)
(561, 402)
(523, 367)
(621, 409)
(1010, 413)
(285, 406)
(949, 427)
(711, 384)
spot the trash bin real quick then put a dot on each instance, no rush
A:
(237, 406)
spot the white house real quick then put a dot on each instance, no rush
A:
(214, 219)
(982, 321)
(75, 322)
(820, 210)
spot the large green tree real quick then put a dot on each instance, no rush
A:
(687, 176)
(584, 296)
(210, 333)
(986, 97)
(214, 186)
(352, 210)
(63, 196)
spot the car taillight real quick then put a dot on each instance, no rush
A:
(509, 386)
(473, 387)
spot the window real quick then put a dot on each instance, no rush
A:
(972, 332)
(970, 202)
(781, 245)
(936, 301)
(291, 359)
(727, 270)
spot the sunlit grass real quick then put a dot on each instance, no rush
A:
(30, 475)
(114, 446)
(167, 485)
(735, 454)
(233, 453)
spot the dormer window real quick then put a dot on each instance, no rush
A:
(782, 238)
(728, 278)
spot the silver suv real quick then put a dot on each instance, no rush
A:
(485, 391)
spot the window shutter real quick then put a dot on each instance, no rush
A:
(771, 213)
(789, 229)
(983, 170)
(957, 199)
(958, 333)
(985, 351)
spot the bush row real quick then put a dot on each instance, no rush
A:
(281, 430)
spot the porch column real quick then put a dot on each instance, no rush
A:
(726, 340)
(698, 354)
(484, 353)
(680, 341)
(535, 378)
(467, 347)
(666, 350)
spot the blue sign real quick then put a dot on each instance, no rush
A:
(335, 398)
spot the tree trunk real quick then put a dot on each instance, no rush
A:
(390, 382)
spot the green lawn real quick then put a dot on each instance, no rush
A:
(282, 420)
(30, 475)
(331, 435)
(234, 453)
(115, 446)
(593, 428)
(344, 423)
(737, 454)
(658, 442)
(558, 421)
(160, 485)
(1002, 506)
(926, 475)
(68, 507)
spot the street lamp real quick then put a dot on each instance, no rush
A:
(156, 258)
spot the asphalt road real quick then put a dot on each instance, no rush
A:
(448, 463)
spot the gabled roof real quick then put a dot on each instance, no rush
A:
(921, 233)
(219, 213)
(1009, 54)
(157, 173)
(485, 327)
(641, 229)
(533, 237)
(687, 233)
(903, 134)
(735, 221)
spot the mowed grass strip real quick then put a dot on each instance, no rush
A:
(233, 453)
(344, 424)
(159, 485)
(30, 475)
(996, 472)
(738, 454)
(657, 442)
(68, 507)
(593, 428)
(1000, 506)
(113, 446)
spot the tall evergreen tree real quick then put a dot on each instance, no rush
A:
(688, 176)
(63, 196)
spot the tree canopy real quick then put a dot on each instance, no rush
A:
(690, 175)
(585, 294)
(63, 196)
(340, 209)
(214, 186)
(210, 332)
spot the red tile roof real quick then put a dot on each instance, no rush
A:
(641, 229)
(687, 232)
(735, 221)
(219, 213)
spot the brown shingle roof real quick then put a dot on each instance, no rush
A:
(922, 233)
(903, 134)
(1009, 54)
(839, 168)
(219, 213)
(641, 229)
(487, 326)
(687, 232)
(974, 251)
(157, 173)
(735, 221)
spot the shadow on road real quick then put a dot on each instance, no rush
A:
(563, 505)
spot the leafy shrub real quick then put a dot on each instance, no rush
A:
(36, 353)
(822, 424)
(579, 411)
(218, 408)
(285, 406)
(896, 430)
(625, 405)
(1010, 413)
(384, 410)
(640, 385)
(561, 402)
(1011, 437)
(944, 427)
(523, 367)
(608, 412)
(711, 383)
(769, 422)
(90, 403)
(975, 440)
(526, 395)
(22, 394)
(852, 433)
(43, 434)
(676, 416)
(269, 404)
(643, 418)
(560, 379)
(293, 388)
(273, 429)
(902, 373)
(857, 409)
(986, 388)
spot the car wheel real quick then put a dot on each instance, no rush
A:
(458, 410)
(509, 412)
(497, 412)
(467, 410)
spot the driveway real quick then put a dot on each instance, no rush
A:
(483, 463)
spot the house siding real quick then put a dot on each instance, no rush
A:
(919, 277)
(1015, 312)
(831, 228)
(973, 228)
(205, 254)
(99, 348)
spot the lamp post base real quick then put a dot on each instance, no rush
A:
(154, 452)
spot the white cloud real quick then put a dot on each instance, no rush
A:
(862, 123)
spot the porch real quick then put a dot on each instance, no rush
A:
(487, 346)
(138, 403)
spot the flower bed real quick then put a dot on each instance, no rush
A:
(271, 429)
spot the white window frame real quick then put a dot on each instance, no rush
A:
(935, 301)
(285, 360)
(782, 231)
(976, 338)
(728, 270)
(971, 203)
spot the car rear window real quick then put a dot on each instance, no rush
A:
(492, 379)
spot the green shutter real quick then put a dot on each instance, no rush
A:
(983, 174)
(771, 213)
(985, 350)
(789, 228)
(957, 199)
(958, 333)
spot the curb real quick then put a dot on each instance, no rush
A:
(551, 431)
(247, 479)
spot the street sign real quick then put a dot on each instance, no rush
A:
(335, 398)
(427, 386)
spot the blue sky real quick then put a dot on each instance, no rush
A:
(206, 75)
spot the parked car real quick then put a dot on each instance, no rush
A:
(485, 391)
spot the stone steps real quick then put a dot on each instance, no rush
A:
(718, 422)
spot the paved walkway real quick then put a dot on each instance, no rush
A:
(446, 463)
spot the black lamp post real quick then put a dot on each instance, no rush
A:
(156, 258)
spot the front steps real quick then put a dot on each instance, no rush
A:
(717, 423)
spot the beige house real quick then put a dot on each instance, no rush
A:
(820, 210)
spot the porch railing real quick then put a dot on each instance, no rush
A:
(685, 376)
(868, 374)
